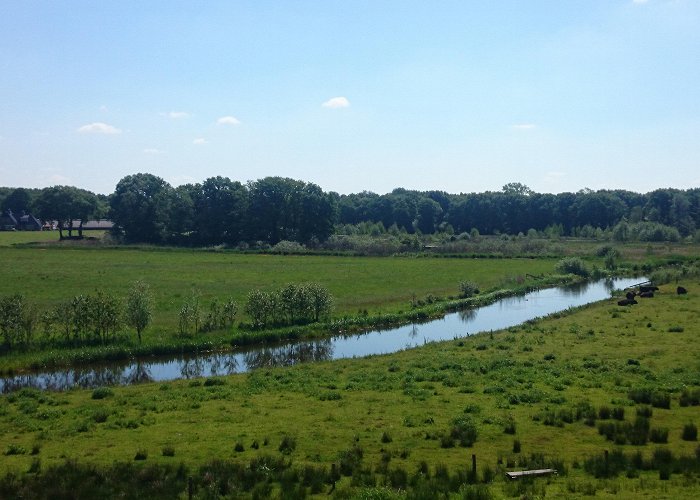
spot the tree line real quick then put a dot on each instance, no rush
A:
(145, 208)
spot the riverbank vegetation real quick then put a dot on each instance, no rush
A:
(557, 392)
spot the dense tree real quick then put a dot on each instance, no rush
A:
(286, 209)
(220, 207)
(141, 207)
(18, 201)
(65, 204)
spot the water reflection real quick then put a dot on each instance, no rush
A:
(502, 314)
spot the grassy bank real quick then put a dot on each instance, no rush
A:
(551, 384)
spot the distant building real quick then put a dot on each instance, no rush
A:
(28, 222)
(94, 225)
(25, 222)
(8, 222)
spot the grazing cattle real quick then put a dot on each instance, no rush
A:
(648, 288)
(630, 295)
(646, 295)
(626, 302)
(681, 291)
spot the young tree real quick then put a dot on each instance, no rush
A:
(139, 307)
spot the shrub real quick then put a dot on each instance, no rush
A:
(100, 415)
(690, 432)
(468, 289)
(288, 445)
(644, 411)
(386, 438)
(618, 413)
(141, 454)
(15, 449)
(168, 451)
(464, 431)
(239, 447)
(572, 265)
(350, 460)
(102, 393)
(516, 446)
(657, 435)
(690, 397)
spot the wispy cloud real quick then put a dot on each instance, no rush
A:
(524, 126)
(199, 141)
(228, 120)
(153, 151)
(336, 103)
(99, 128)
(176, 115)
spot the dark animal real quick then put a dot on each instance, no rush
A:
(646, 295)
(681, 291)
(648, 288)
(626, 302)
(630, 295)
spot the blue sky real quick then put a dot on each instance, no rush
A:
(461, 96)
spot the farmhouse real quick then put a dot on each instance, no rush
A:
(25, 222)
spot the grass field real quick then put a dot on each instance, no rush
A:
(529, 380)
(47, 276)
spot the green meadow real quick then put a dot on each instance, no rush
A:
(556, 392)
(49, 275)
(551, 385)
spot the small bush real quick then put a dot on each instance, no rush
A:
(604, 413)
(168, 451)
(210, 382)
(15, 449)
(141, 455)
(288, 445)
(572, 265)
(464, 431)
(657, 435)
(690, 397)
(386, 438)
(100, 415)
(690, 432)
(239, 447)
(516, 446)
(618, 413)
(102, 393)
(676, 329)
(644, 411)
(468, 289)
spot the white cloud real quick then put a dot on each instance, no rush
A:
(228, 120)
(336, 103)
(199, 141)
(153, 151)
(99, 128)
(524, 126)
(176, 115)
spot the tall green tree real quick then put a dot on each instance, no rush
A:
(66, 204)
(141, 207)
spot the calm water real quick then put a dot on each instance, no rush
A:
(507, 312)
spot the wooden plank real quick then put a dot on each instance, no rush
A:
(530, 473)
